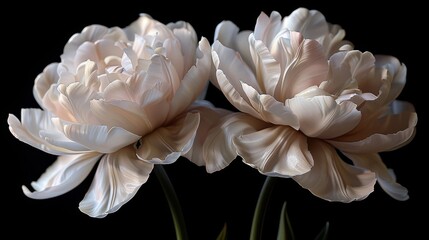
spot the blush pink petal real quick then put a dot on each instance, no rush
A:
(322, 117)
(219, 150)
(385, 177)
(38, 130)
(383, 134)
(275, 151)
(334, 180)
(269, 109)
(99, 138)
(267, 69)
(166, 144)
(67, 172)
(307, 67)
(194, 82)
(118, 177)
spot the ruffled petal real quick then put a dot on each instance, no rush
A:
(43, 82)
(195, 81)
(345, 68)
(213, 145)
(67, 172)
(385, 177)
(210, 117)
(334, 180)
(269, 109)
(306, 66)
(275, 151)
(310, 23)
(91, 34)
(267, 28)
(38, 130)
(322, 117)
(266, 67)
(383, 134)
(99, 138)
(233, 66)
(118, 178)
(166, 144)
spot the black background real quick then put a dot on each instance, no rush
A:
(35, 36)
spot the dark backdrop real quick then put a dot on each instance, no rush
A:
(33, 37)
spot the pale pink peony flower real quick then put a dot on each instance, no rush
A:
(121, 96)
(304, 96)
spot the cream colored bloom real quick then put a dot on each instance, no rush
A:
(121, 97)
(305, 95)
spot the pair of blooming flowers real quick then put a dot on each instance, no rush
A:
(131, 98)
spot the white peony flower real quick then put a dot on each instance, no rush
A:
(121, 97)
(305, 95)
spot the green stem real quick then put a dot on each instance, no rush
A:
(173, 202)
(261, 206)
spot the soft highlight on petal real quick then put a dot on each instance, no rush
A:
(275, 151)
(118, 178)
(67, 172)
(334, 180)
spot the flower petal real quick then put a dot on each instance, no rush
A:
(99, 138)
(334, 180)
(310, 23)
(38, 130)
(269, 109)
(385, 178)
(266, 67)
(118, 178)
(233, 66)
(345, 70)
(397, 72)
(275, 151)
(228, 34)
(210, 117)
(194, 82)
(307, 66)
(166, 144)
(67, 172)
(322, 117)
(383, 134)
(266, 28)
(44, 81)
(213, 146)
(91, 34)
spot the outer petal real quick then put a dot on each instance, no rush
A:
(210, 117)
(118, 178)
(187, 36)
(194, 82)
(275, 151)
(44, 81)
(99, 138)
(38, 130)
(67, 172)
(334, 180)
(397, 72)
(213, 146)
(383, 134)
(385, 178)
(322, 117)
(166, 144)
